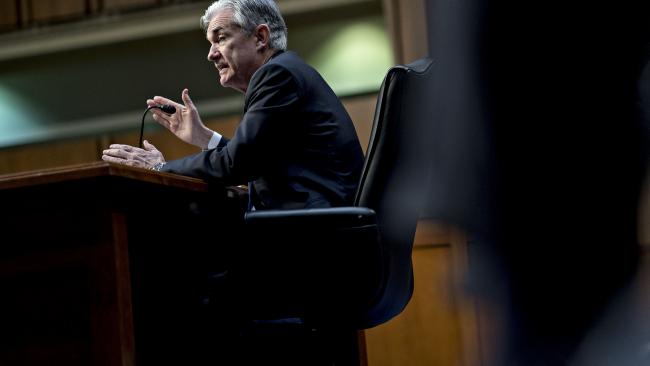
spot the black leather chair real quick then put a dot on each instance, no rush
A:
(337, 270)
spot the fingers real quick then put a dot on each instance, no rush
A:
(128, 148)
(129, 155)
(148, 146)
(186, 99)
(162, 119)
(162, 100)
(157, 100)
(117, 156)
(118, 153)
(112, 159)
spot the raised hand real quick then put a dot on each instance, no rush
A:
(185, 123)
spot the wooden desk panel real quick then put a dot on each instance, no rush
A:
(66, 259)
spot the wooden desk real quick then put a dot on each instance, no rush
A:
(93, 257)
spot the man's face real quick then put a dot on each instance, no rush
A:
(233, 52)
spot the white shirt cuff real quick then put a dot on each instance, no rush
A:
(214, 140)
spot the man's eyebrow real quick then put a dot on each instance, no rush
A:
(214, 33)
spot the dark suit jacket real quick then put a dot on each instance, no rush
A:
(295, 141)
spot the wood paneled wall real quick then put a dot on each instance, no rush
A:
(407, 26)
(9, 15)
(49, 155)
(428, 331)
(52, 10)
(16, 14)
(127, 4)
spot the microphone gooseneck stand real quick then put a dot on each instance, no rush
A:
(169, 109)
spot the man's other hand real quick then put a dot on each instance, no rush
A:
(185, 123)
(133, 156)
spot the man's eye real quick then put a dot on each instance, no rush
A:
(221, 39)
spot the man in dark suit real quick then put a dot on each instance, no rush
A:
(295, 144)
(295, 141)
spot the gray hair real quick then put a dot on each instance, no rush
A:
(248, 14)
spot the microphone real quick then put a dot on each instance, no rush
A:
(169, 109)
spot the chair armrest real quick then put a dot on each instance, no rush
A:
(335, 217)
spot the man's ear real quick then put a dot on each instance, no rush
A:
(262, 36)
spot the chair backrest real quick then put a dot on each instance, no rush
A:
(356, 270)
(394, 178)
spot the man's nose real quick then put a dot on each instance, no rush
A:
(213, 53)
